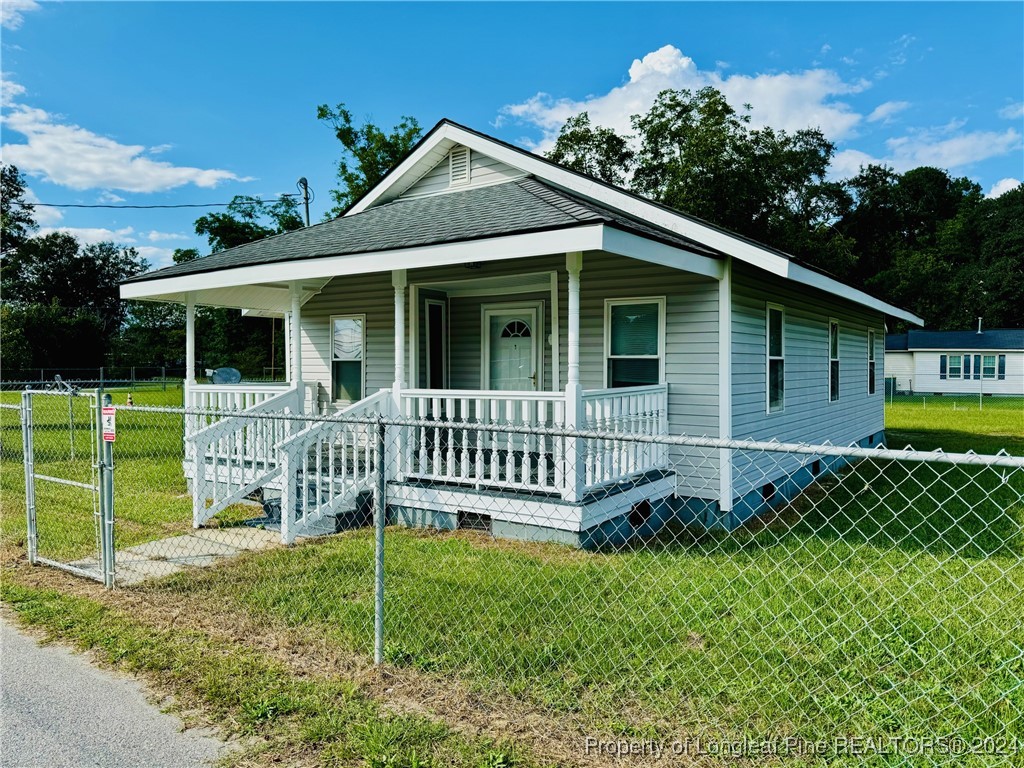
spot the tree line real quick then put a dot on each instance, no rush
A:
(922, 239)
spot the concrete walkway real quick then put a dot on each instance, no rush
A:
(198, 549)
(58, 711)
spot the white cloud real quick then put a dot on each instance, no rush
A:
(1002, 186)
(789, 100)
(156, 236)
(9, 91)
(74, 157)
(109, 197)
(93, 235)
(157, 257)
(12, 12)
(44, 215)
(941, 147)
(1012, 111)
(886, 110)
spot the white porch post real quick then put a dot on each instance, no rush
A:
(287, 346)
(575, 473)
(296, 335)
(397, 435)
(399, 280)
(725, 386)
(190, 341)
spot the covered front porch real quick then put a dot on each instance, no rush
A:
(455, 447)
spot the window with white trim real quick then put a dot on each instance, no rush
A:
(775, 346)
(634, 341)
(348, 341)
(988, 366)
(833, 360)
(956, 366)
(871, 362)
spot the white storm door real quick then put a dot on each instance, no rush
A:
(511, 360)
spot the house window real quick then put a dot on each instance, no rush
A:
(871, 362)
(977, 366)
(776, 346)
(833, 360)
(956, 367)
(347, 344)
(967, 366)
(988, 366)
(1002, 368)
(943, 366)
(634, 341)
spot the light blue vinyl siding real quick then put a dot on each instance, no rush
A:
(809, 416)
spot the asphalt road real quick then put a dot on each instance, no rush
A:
(57, 710)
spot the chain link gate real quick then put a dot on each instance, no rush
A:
(69, 519)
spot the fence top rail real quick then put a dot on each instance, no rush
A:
(1001, 460)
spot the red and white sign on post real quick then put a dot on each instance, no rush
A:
(109, 423)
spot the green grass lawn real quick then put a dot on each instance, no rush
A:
(885, 601)
(151, 498)
(956, 425)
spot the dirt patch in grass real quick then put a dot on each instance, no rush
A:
(549, 738)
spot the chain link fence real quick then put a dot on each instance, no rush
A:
(997, 394)
(596, 580)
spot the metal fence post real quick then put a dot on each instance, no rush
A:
(106, 498)
(28, 454)
(379, 519)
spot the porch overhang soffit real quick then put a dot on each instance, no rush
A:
(265, 286)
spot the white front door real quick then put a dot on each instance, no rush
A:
(511, 346)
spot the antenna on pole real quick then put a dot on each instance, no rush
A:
(303, 185)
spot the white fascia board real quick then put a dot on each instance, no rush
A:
(642, 249)
(822, 282)
(585, 238)
(711, 237)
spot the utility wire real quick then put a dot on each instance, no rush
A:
(181, 205)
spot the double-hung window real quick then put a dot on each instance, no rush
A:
(775, 342)
(348, 339)
(871, 362)
(956, 366)
(833, 360)
(988, 366)
(634, 341)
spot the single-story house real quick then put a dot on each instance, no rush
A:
(481, 284)
(989, 362)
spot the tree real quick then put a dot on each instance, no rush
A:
(368, 152)
(696, 153)
(247, 219)
(17, 220)
(593, 150)
(56, 269)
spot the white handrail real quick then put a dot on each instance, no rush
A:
(328, 464)
(236, 453)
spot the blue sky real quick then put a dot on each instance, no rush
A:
(170, 103)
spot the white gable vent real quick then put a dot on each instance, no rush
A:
(458, 166)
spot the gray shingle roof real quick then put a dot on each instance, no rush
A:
(996, 338)
(516, 207)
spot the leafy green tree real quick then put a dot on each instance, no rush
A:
(17, 215)
(56, 269)
(246, 219)
(368, 153)
(593, 150)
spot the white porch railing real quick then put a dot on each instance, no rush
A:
(327, 465)
(629, 411)
(525, 460)
(481, 456)
(231, 454)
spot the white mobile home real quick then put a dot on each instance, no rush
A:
(481, 284)
(986, 362)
